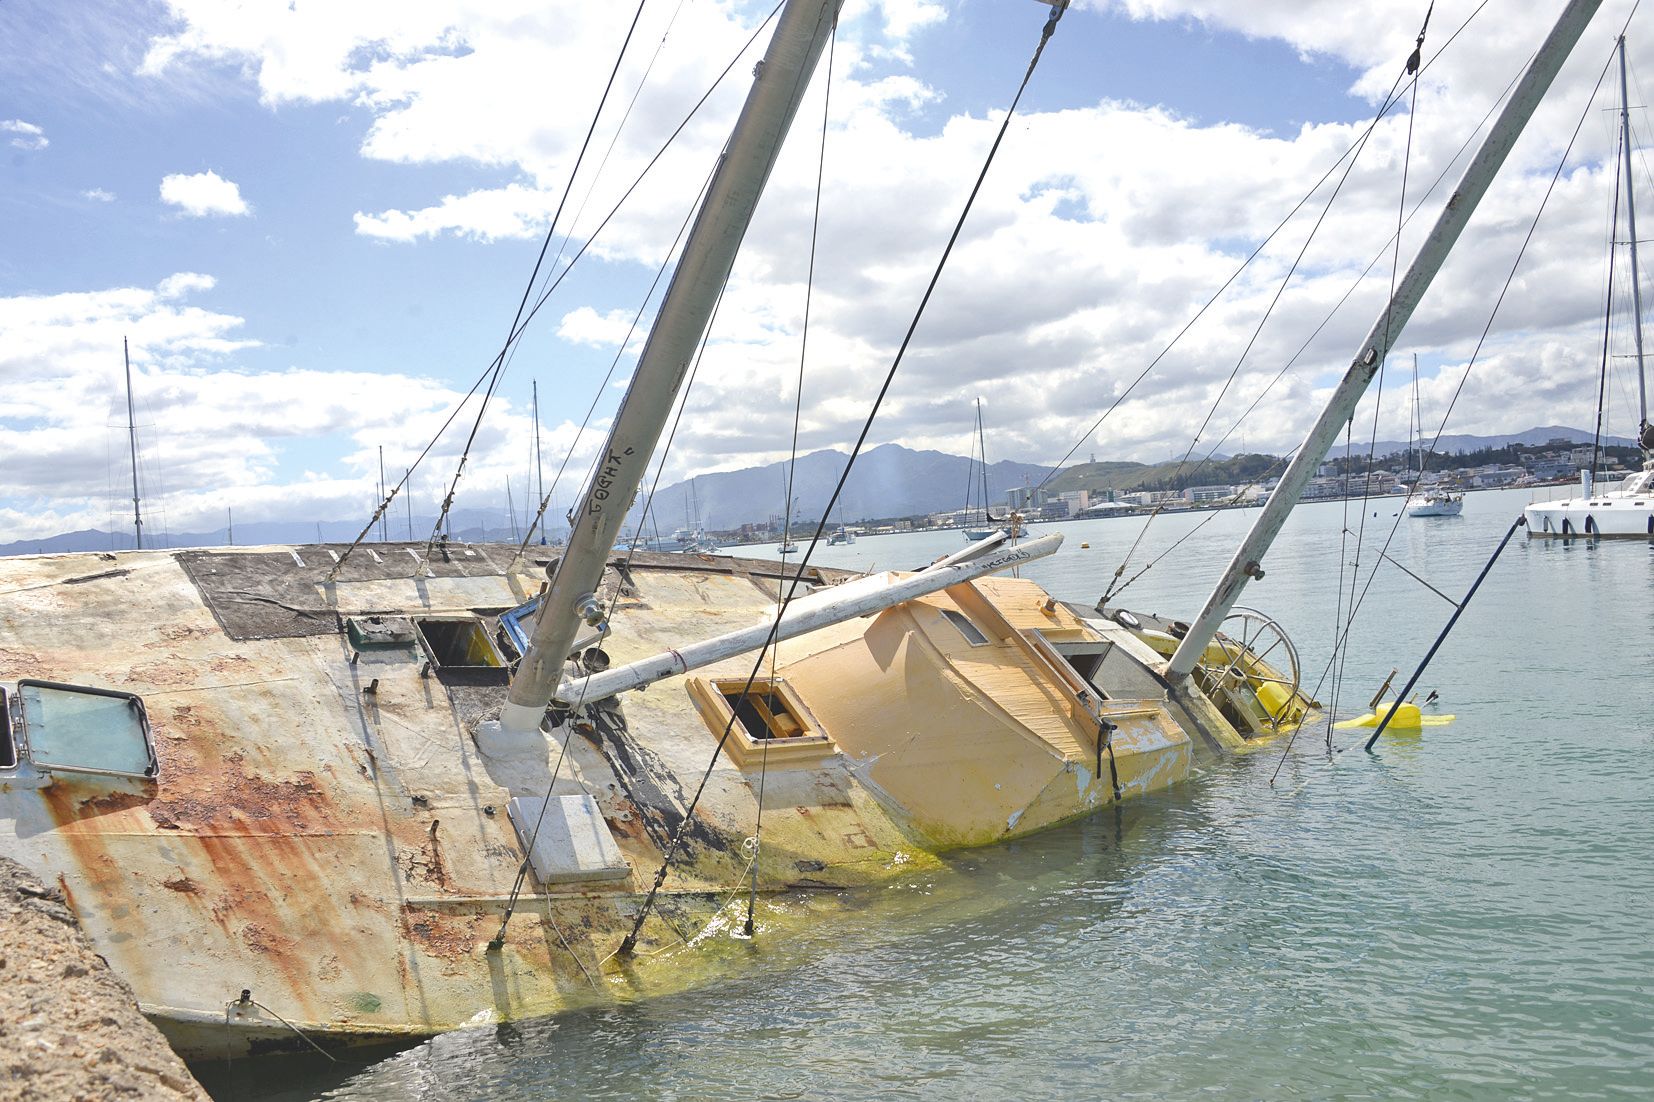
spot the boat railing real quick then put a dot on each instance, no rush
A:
(1564, 490)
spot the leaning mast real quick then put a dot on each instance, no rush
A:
(779, 83)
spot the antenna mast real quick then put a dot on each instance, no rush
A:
(132, 440)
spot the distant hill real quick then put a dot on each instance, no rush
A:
(470, 525)
(1453, 445)
(888, 481)
(1127, 477)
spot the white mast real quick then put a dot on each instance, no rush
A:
(779, 83)
(1248, 559)
(1644, 438)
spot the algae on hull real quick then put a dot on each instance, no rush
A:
(325, 830)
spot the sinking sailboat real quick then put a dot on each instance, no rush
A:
(316, 795)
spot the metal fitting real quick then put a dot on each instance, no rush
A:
(591, 611)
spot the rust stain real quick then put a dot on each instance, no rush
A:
(263, 880)
(177, 633)
(185, 719)
(73, 807)
(111, 802)
(261, 940)
(447, 937)
(230, 663)
(20, 663)
(174, 671)
(230, 797)
(426, 863)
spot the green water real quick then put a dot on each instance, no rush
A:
(1464, 914)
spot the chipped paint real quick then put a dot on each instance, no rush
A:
(346, 854)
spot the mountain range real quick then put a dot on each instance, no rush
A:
(888, 481)
(1459, 444)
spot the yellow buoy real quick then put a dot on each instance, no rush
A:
(1085, 546)
(1275, 698)
(1407, 718)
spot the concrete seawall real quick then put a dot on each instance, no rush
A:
(69, 1027)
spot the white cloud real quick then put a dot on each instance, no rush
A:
(1105, 222)
(203, 193)
(29, 136)
(98, 195)
(586, 326)
(513, 211)
(213, 433)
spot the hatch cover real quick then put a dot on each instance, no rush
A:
(572, 841)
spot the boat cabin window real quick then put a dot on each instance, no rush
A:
(973, 634)
(770, 721)
(77, 729)
(8, 748)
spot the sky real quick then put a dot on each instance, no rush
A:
(313, 223)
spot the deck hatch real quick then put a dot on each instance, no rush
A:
(461, 651)
(379, 632)
(76, 729)
(771, 722)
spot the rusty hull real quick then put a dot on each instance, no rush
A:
(343, 852)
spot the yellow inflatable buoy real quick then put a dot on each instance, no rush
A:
(1407, 718)
(1275, 698)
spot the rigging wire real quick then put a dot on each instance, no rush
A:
(542, 299)
(1308, 342)
(614, 602)
(1253, 255)
(1389, 100)
(1378, 396)
(614, 140)
(1607, 321)
(503, 358)
(1464, 376)
(792, 459)
(597, 395)
(630, 941)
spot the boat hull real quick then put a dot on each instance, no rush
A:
(1451, 507)
(330, 828)
(1608, 516)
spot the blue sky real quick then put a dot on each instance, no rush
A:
(287, 320)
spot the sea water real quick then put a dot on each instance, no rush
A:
(1464, 913)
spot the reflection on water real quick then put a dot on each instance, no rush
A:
(1460, 914)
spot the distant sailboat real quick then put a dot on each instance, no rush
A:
(1626, 511)
(1435, 501)
(976, 533)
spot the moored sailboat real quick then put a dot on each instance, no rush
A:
(1626, 510)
